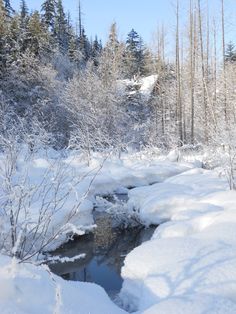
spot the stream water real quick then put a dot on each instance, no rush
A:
(105, 251)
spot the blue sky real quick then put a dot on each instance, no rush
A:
(142, 15)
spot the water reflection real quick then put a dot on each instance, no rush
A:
(105, 252)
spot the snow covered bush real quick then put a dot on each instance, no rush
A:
(42, 202)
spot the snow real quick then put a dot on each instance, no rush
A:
(61, 185)
(194, 304)
(189, 265)
(178, 195)
(27, 289)
(144, 86)
(147, 85)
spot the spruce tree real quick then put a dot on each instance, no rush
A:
(23, 10)
(2, 19)
(230, 53)
(49, 10)
(61, 27)
(37, 34)
(84, 46)
(8, 8)
(14, 39)
(96, 50)
(24, 19)
(135, 53)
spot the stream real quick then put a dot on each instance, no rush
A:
(105, 249)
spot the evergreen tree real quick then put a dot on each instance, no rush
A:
(230, 53)
(24, 36)
(8, 8)
(37, 34)
(73, 52)
(73, 49)
(96, 50)
(135, 54)
(49, 10)
(23, 13)
(111, 61)
(113, 42)
(2, 19)
(3, 34)
(61, 27)
(14, 39)
(84, 46)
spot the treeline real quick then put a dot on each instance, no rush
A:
(59, 86)
(51, 31)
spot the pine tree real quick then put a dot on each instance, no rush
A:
(49, 10)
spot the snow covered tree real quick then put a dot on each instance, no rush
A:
(111, 61)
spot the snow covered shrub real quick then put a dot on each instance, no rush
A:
(42, 202)
(95, 112)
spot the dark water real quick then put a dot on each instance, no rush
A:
(105, 253)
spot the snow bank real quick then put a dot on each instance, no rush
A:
(27, 289)
(130, 171)
(179, 195)
(189, 266)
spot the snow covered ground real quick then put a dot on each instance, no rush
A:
(27, 289)
(189, 265)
